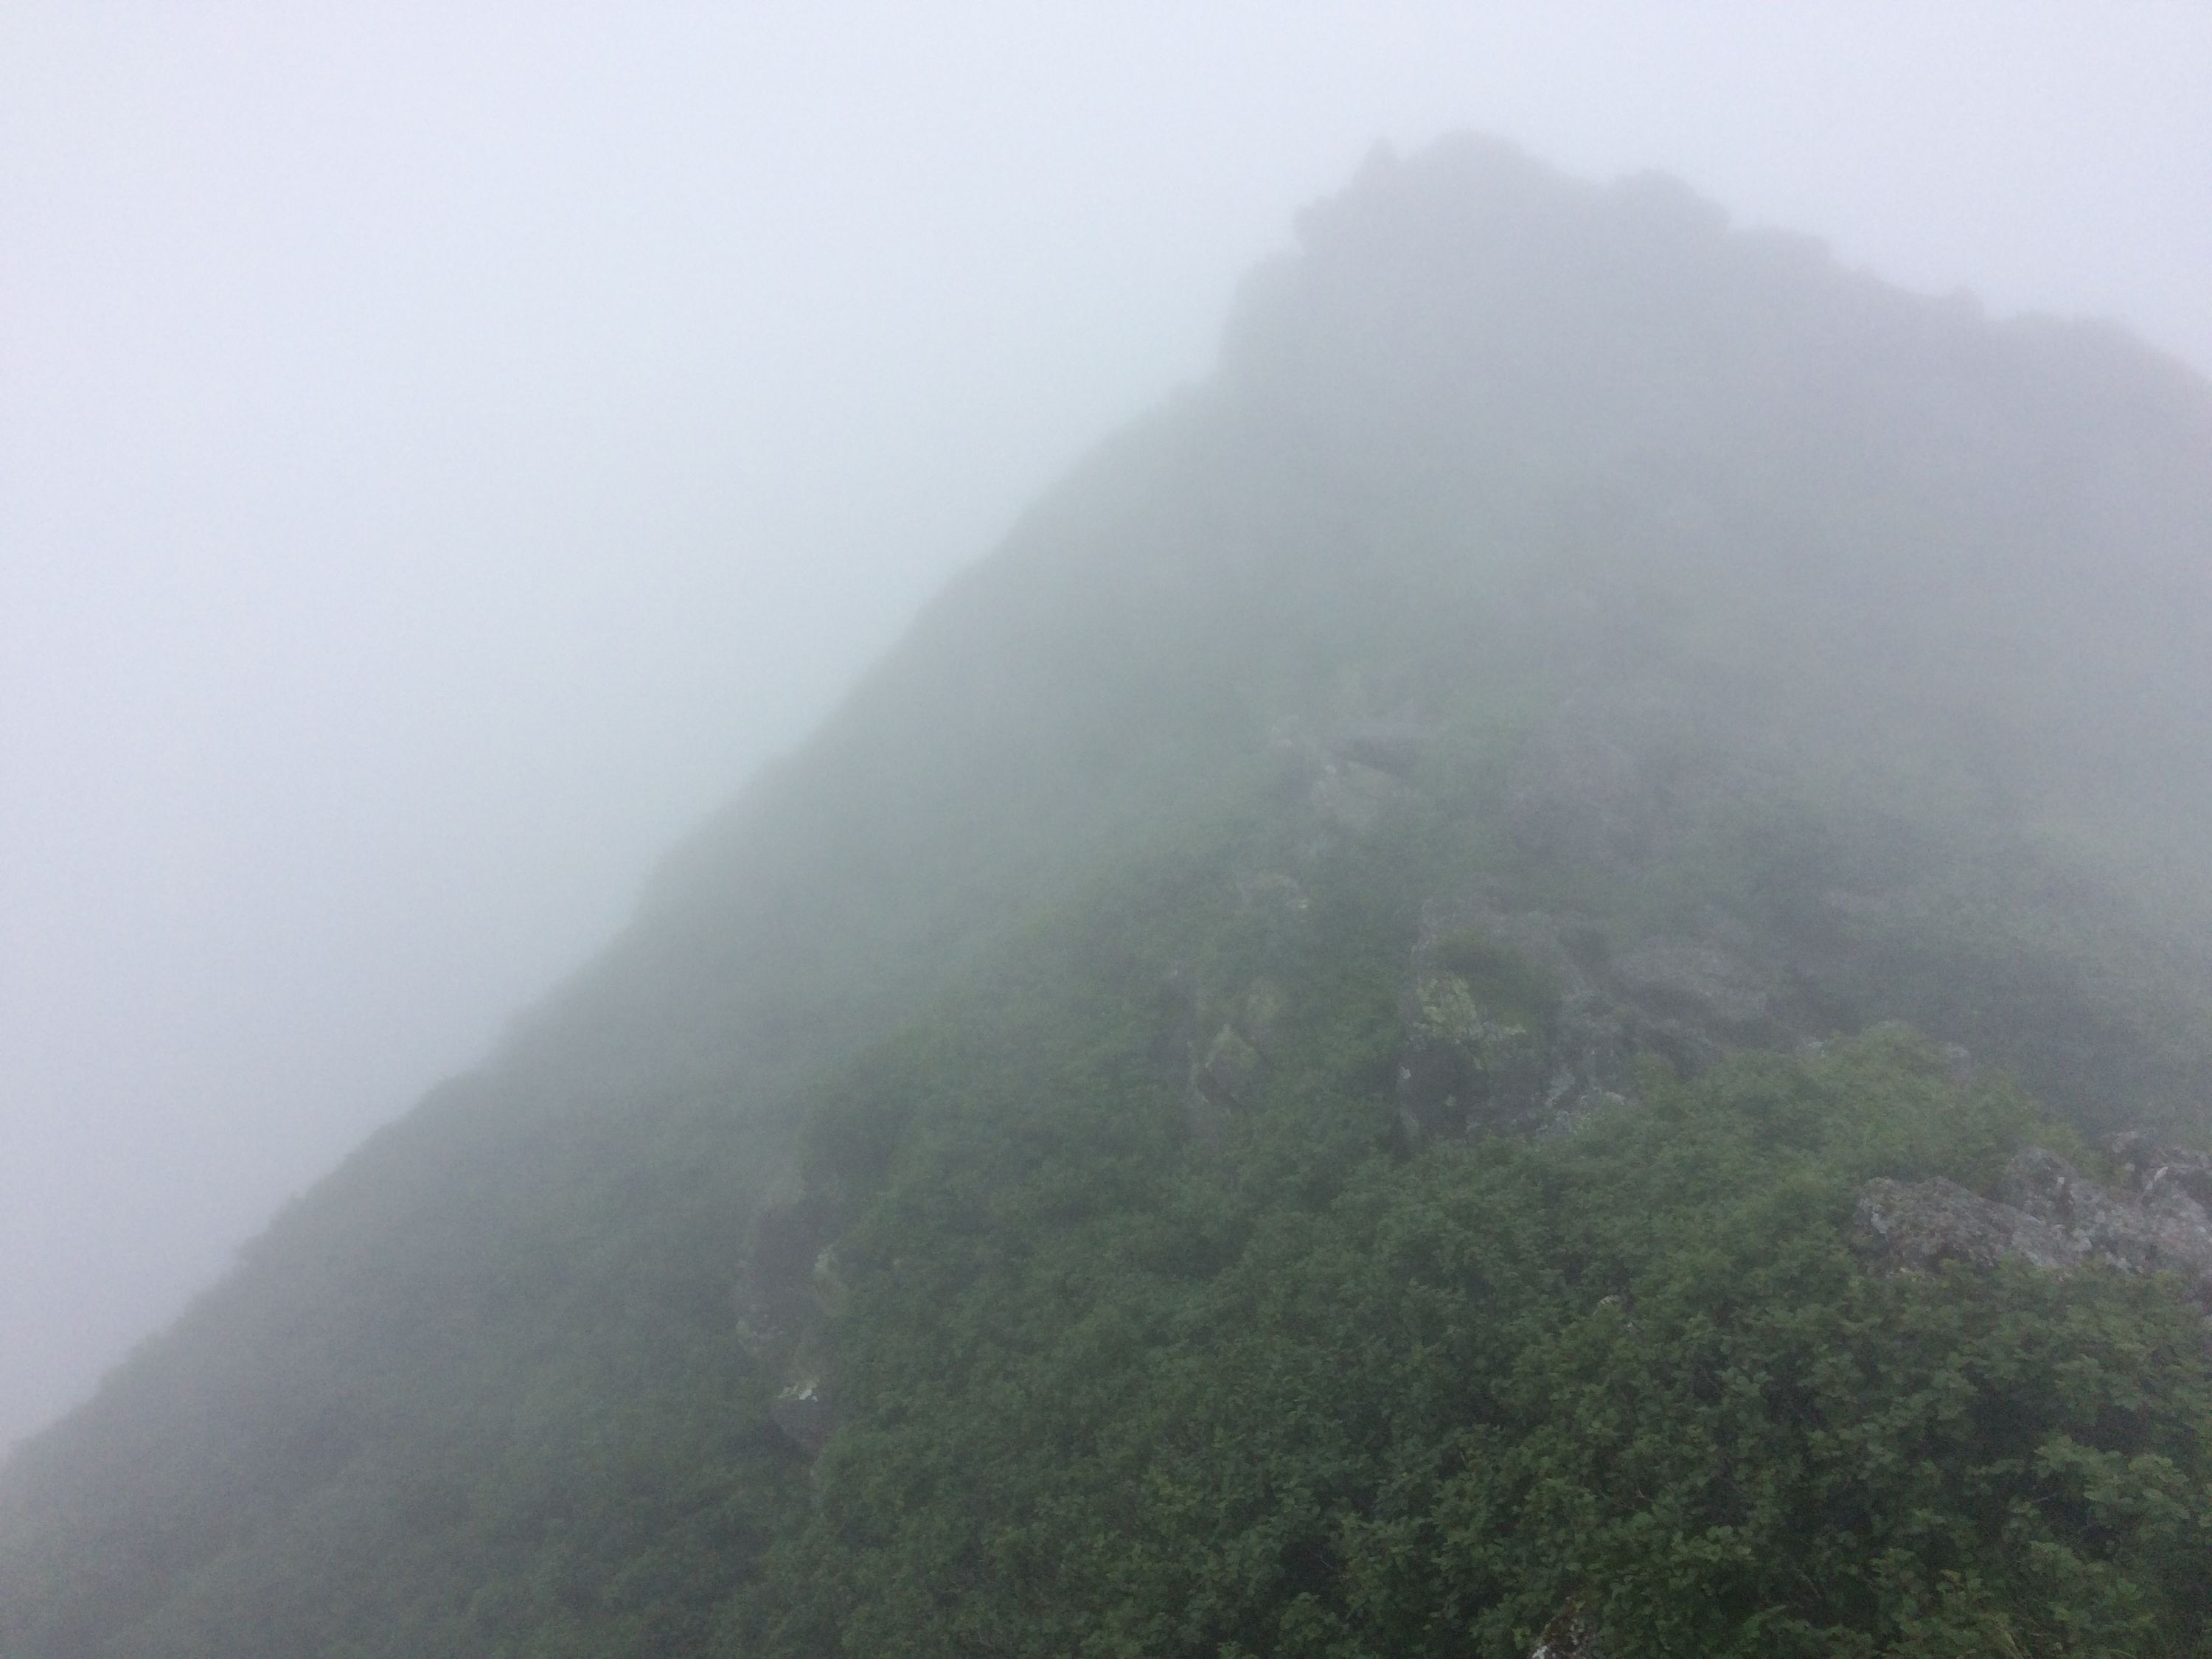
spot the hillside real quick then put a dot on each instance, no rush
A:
(1308, 1067)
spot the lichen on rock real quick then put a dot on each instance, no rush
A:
(1467, 1063)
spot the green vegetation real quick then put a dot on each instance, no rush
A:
(1117, 1398)
(1233, 1101)
(1302, 1393)
(1496, 978)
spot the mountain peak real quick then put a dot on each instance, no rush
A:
(1279, 1078)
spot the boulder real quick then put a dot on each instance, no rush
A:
(776, 1289)
(1468, 1063)
(804, 1414)
(1697, 982)
(2049, 1215)
(2160, 1228)
(1914, 1225)
(1553, 1025)
(2152, 1168)
(1572, 1635)
(1227, 1075)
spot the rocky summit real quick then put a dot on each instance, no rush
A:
(1527, 976)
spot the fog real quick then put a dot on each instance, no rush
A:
(443, 449)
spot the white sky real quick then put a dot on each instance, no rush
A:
(444, 448)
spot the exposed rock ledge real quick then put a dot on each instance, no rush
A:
(1572, 1635)
(789, 1291)
(2051, 1216)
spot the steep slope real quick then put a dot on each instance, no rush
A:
(1567, 641)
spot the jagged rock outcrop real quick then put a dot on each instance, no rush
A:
(1916, 1225)
(806, 1411)
(776, 1286)
(1699, 982)
(2153, 1170)
(787, 1291)
(1218, 1041)
(1227, 1070)
(1572, 1635)
(1352, 775)
(1522, 1019)
(2159, 1226)
(2051, 1216)
(1478, 1049)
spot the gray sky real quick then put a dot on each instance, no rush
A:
(444, 448)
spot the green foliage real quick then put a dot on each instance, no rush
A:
(1501, 980)
(1121, 1398)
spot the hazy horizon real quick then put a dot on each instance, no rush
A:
(443, 455)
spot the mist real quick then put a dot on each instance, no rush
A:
(443, 452)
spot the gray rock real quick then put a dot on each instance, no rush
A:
(2051, 1216)
(1619, 779)
(1229, 1073)
(2161, 1229)
(2152, 1168)
(804, 1414)
(776, 1289)
(1227, 1076)
(1572, 1635)
(1697, 982)
(1914, 1225)
(1687, 999)
(1466, 1066)
(1583, 1052)
(787, 1296)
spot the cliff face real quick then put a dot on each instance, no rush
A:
(1567, 643)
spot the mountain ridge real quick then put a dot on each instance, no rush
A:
(1567, 641)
